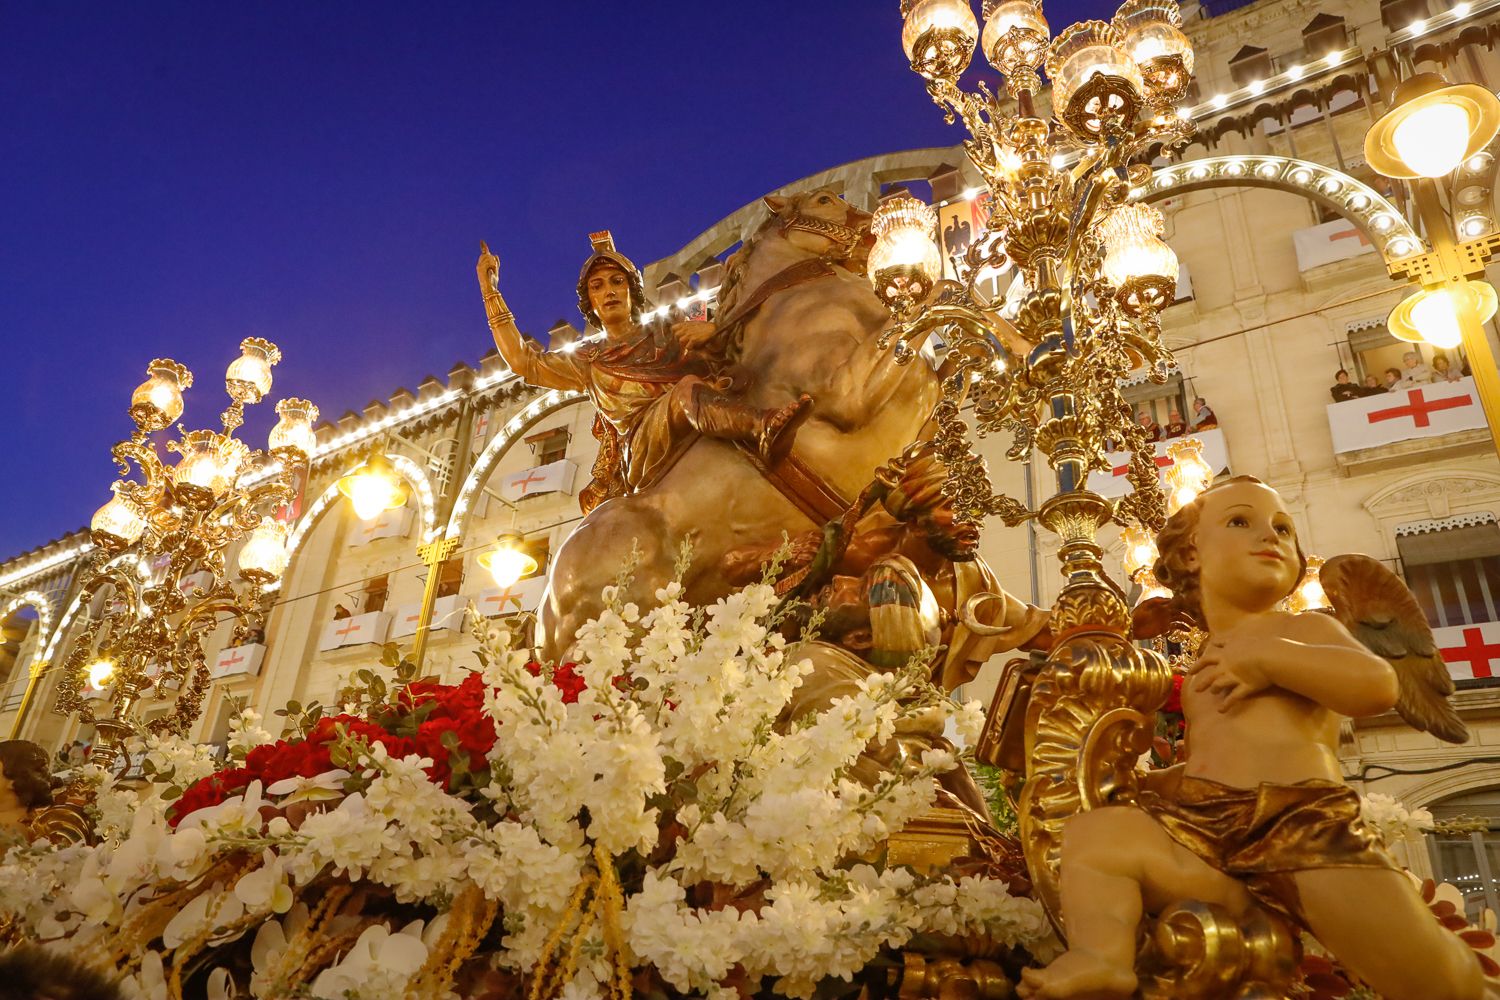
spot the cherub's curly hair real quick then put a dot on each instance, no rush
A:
(27, 769)
(1175, 546)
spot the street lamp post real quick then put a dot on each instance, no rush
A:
(1431, 128)
(161, 547)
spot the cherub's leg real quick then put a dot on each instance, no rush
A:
(1117, 863)
(1373, 921)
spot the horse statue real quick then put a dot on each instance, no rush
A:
(796, 317)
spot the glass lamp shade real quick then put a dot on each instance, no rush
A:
(374, 488)
(1309, 595)
(1133, 247)
(1015, 34)
(1151, 588)
(294, 431)
(1189, 475)
(157, 402)
(1432, 127)
(508, 561)
(117, 524)
(1151, 31)
(1436, 315)
(209, 466)
(249, 375)
(939, 37)
(905, 261)
(1140, 549)
(1084, 51)
(263, 557)
(99, 672)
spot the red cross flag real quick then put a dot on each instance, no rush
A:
(524, 595)
(481, 435)
(355, 631)
(389, 524)
(1330, 242)
(1114, 484)
(1472, 652)
(1416, 412)
(552, 478)
(238, 661)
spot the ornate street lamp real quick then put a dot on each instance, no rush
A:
(1431, 128)
(156, 533)
(1093, 275)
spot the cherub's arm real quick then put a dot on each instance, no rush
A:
(1314, 656)
(546, 369)
(1321, 661)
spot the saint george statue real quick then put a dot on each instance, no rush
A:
(653, 387)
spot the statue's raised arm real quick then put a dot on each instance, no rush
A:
(548, 369)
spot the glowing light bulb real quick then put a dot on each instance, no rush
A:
(508, 561)
(1435, 316)
(264, 556)
(99, 672)
(1133, 247)
(118, 523)
(373, 488)
(1433, 140)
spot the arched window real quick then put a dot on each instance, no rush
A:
(1465, 850)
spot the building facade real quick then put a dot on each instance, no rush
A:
(1281, 230)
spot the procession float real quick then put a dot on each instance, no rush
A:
(724, 758)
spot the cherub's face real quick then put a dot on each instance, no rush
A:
(1246, 546)
(609, 295)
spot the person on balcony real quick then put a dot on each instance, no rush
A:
(1175, 427)
(1149, 424)
(1417, 371)
(1371, 387)
(1443, 371)
(1343, 389)
(1392, 379)
(1203, 416)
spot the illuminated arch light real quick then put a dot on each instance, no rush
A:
(484, 465)
(38, 600)
(1395, 239)
(410, 471)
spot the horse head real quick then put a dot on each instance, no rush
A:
(820, 222)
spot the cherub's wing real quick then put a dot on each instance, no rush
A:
(1378, 610)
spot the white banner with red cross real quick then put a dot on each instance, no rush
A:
(1114, 484)
(523, 595)
(238, 661)
(1416, 412)
(1330, 242)
(447, 612)
(355, 631)
(1472, 652)
(554, 477)
(388, 524)
(483, 424)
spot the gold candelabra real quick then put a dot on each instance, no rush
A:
(157, 534)
(1093, 275)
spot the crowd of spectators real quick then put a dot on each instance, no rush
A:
(1202, 419)
(1414, 372)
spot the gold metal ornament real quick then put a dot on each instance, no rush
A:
(160, 532)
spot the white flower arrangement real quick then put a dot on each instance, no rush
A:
(667, 773)
(1393, 821)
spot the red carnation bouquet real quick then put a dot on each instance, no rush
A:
(445, 723)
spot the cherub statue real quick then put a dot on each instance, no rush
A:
(1259, 816)
(653, 388)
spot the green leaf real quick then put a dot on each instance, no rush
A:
(390, 655)
(172, 792)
